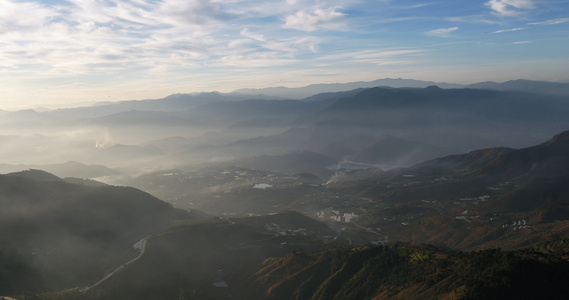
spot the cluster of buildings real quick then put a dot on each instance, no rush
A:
(336, 216)
(483, 198)
(517, 225)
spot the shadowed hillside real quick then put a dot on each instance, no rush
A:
(411, 273)
(67, 235)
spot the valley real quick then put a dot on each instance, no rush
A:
(284, 150)
(340, 195)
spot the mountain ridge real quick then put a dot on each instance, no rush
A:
(523, 85)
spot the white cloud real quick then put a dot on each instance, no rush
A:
(16, 16)
(441, 32)
(551, 22)
(114, 37)
(509, 30)
(509, 7)
(318, 19)
(85, 36)
(522, 42)
(195, 12)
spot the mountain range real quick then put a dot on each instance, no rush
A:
(512, 85)
(361, 191)
(229, 126)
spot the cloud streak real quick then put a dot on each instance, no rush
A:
(441, 32)
(551, 22)
(509, 30)
(101, 36)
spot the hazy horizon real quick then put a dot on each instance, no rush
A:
(290, 149)
(92, 51)
(75, 104)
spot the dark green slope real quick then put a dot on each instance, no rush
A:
(35, 175)
(67, 235)
(250, 261)
(185, 260)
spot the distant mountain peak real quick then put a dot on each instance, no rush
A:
(559, 139)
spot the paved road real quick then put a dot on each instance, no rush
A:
(142, 249)
(142, 244)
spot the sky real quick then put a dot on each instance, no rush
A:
(79, 51)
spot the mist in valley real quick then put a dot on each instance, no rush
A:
(236, 173)
(386, 127)
(292, 150)
(206, 151)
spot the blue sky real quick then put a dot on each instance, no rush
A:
(54, 52)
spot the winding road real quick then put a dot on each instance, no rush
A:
(140, 244)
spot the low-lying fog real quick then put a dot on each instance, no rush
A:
(378, 127)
